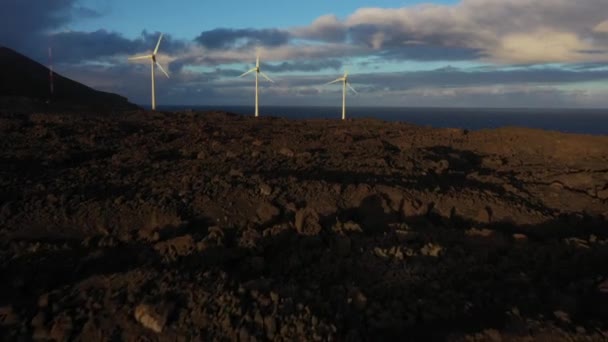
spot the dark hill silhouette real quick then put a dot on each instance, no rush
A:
(27, 80)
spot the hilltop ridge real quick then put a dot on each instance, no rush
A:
(24, 83)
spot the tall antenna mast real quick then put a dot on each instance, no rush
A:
(51, 85)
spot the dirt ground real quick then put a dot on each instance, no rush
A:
(211, 226)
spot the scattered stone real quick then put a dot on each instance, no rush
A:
(286, 152)
(394, 252)
(441, 166)
(351, 226)
(483, 232)
(406, 235)
(603, 194)
(62, 328)
(8, 316)
(243, 334)
(603, 287)
(557, 186)
(270, 325)
(358, 299)
(484, 215)
(41, 334)
(492, 335)
(307, 222)
(39, 320)
(562, 316)
(520, 237)
(431, 249)
(267, 212)
(265, 189)
(413, 208)
(43, 300)
(235, 173)
(380, 252)
(176, 247)
(577, 242)
(492, 162)
(249, 238)
(148, 235)
(152, 317)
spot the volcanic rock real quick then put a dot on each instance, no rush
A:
(153, 317)
(370, 231)
(307, 222)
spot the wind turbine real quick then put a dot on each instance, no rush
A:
(257, 72)
(345, 83)
(153, 62)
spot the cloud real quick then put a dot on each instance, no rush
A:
(24, 22)
(204, 69)
(326, 28)
(421, 52)
(290, 53)
(509, 31)
(454, 77)
(76, 46)
(225, 38)
(302, 65)
(448, 87)
(601, 27)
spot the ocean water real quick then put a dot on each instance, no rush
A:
(584, 121)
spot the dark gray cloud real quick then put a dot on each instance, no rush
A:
(224, 38)
(74, 47)
(180, 62)
(306, 66)
(588, 66)
(453, 77)
(25, 22)
(28, 25)
(450, 77)
(82, 12)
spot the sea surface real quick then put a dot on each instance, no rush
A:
(584, 121)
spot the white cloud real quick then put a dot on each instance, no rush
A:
(510, 31)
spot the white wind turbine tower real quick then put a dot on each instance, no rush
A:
(345, 83)
(257, 73)
(153, 62)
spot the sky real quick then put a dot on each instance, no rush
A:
(405, 53)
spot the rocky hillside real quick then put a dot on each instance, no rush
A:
(24, 83)
(207, 226)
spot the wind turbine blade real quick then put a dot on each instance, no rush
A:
(257, 60)
(140, 57)
(158, 44)
(161, 69)
(351, 88)
(335, 81)
(248, 72)
(266, 77)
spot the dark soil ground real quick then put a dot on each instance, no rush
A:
(209, 226)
